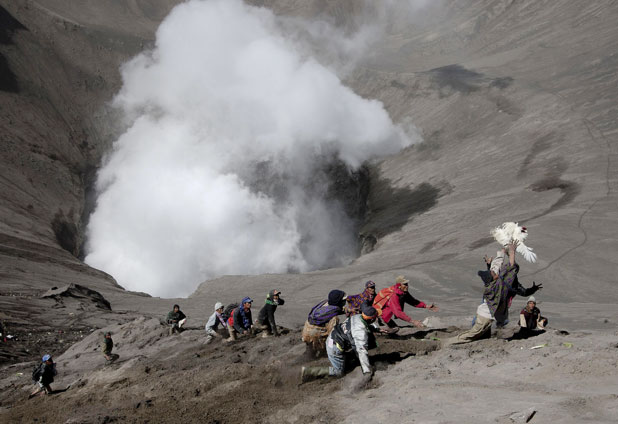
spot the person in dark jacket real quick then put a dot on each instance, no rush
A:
(266, 317)
(482, 322)
(326, 310)
(240, 322)
(493, 271)
(106, 347)
(321, 320)
(353, 337)
(504, 286)
(44, 376)
(176, 319)
(530, 320)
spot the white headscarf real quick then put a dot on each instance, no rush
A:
(496, 264)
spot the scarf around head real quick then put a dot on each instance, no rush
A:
(269, 299)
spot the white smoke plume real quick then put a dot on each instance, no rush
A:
(219, 171)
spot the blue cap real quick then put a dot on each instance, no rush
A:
(246, 300)
(46, 357)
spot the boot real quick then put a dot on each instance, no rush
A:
(313, 373)
(232, 335)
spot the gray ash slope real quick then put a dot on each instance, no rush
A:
(515, 100)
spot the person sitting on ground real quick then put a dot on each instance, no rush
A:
(106, 347)
(393, 306)
(530, 320)
(176, 319)
(212, 325)
(352, 337)
(240, 322)
(266, 317)
(44, 375)
(355, 301)
(321, 321)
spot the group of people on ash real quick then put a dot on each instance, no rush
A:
(234, 320)
(366, 313)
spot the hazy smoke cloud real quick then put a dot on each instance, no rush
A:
(220, 170)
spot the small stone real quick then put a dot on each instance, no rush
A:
(523, 416)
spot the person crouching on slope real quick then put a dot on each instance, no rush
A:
(354, 336)
(355, 301)
(266, 317)
(240, 322)
(530, 320)
(176, 319)
(321, 321)
(393, 308)
(212, 325)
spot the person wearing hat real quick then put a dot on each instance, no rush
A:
(106, 347)
(176, 319)
(355, 301)
(354, 336)
(530, 319)
(393, 308)
(212, 325)
(321, 321)
(240, 322)
(44, 375)
(266, 317)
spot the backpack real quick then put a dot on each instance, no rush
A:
(322, 313)
(229, 311)
(383, 296)
(36, 373)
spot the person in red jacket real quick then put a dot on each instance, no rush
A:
(394, 306)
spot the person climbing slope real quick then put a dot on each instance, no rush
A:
(176, 319)
(391, 302)
(321, 321)
(354, 302)
(353, 337)
(266, 317)
(107, 344)
(44, 375)
(240, 322)
(212, 325)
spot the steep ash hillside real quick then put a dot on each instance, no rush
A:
(516, 104)
(59, 67)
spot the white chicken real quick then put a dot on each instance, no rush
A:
(511, 231)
